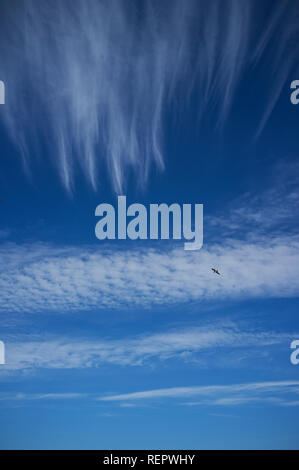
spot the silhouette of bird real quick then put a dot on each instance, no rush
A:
(215, 271)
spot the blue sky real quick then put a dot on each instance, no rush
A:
(138, 344)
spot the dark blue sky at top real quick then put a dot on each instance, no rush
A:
(56, 308)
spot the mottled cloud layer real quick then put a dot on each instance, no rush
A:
(38, 277)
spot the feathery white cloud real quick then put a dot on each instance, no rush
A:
(188, 345)
(275, 392)
(42, 396)
(113, 68)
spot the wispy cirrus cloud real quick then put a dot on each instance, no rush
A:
(256, 214)
(42, 396)
(271, 392)
(199, 343)
(113, 67)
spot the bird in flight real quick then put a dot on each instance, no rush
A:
(215, 271)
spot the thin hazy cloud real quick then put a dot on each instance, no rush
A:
(271, 393)
(181, 344)
(275, 392)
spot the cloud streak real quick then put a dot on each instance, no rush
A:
(102, 75)
(271, 393)
(254, 214)
(185, 344)
(275, 392)
(43, 396)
